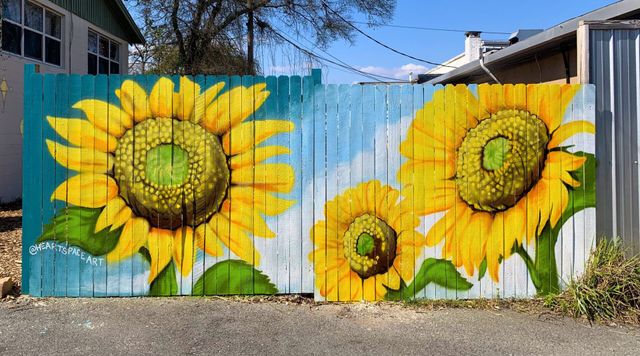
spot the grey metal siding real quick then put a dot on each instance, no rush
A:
(614, 69)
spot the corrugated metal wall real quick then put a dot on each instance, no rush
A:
(615, 70)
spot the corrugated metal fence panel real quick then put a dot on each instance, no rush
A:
(153, 185)
(615, 70)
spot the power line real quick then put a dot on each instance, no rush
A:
(337, 62)
(428, 28)
(341, 61)
(382, 44)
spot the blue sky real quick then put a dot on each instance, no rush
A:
(490, 15)
(435, 46)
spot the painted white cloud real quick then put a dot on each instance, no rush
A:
(401, 72)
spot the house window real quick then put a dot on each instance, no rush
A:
(31, 31)
(103, 56)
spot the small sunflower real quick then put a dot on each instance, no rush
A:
(175, 169)
(493, 164)
(367, 243)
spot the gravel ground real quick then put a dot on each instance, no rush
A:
(11, 243)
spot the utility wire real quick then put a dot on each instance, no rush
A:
(382, 44)
(428, 28)
(352, 68)
(338, 62)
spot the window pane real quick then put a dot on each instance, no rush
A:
(52, 25)
(104, 47)
(114, 53)
(115, 68)
(103, 68)
(33, 16)
(92, 64)
(32, 44)
(52, 51)
(93, 42)
(11, 10)
(11, 36)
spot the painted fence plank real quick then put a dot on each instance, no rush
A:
(297, 256)
(354, 192)
(319, 186)
(307, 203)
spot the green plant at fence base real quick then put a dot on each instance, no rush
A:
(609, 288)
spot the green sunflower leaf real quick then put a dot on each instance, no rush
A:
(482, 270)
(233, 277)
(438, 271)
(76, 226)
(165, 283)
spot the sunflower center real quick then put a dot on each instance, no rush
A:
(167, 164)
(501, 159)
(171, 172)
(495, 153)
(369, 246)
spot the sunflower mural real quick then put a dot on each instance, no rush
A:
(498, 168)
(170, 172)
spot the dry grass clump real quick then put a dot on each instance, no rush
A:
(609, 289)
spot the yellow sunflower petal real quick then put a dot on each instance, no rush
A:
(495, 246)
(204, 100)
(559, 201)
(243, 215)
(369, 289)
(183, 250)
(235, 239)
(76, 190)
(134, 101)
(121, 218)
(105, 116)
(108, 214)
(267, 177)
(134, 235)
(207, 241)
(569, 129)
(159, 244)
(250, 134)
(262, 201)
(393, 279)
(82, 133)
(80, 159)
(257, 155)
(549, 102)
(161, 98)
(184, 100)
(233, 107)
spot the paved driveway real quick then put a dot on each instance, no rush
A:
(219, 326)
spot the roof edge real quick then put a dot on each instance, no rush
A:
(132, 23)
(555, 33)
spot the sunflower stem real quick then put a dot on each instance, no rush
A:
(546, 261)
(531, 266)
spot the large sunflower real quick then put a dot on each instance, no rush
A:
(493, 164)
(367, 243)
(175, 170)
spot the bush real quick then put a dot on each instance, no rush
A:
(608, 290)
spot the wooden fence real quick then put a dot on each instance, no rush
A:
(153, 185)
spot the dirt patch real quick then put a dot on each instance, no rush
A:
(11, 243)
